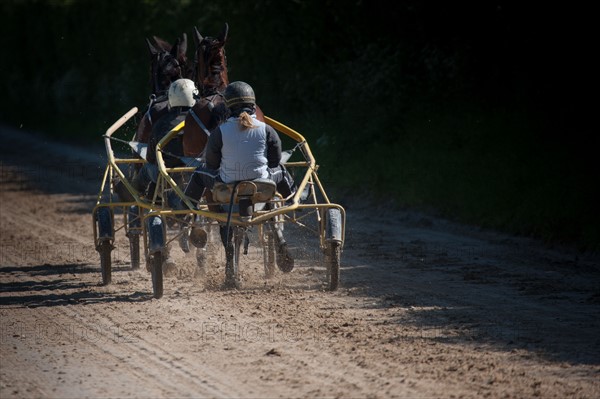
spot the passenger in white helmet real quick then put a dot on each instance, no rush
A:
(181, 98)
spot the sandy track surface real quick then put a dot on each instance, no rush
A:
(426, 308)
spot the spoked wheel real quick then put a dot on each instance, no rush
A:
(333, 251)
(105, 249)
(156, 262)
(269, 253)
(134, 250)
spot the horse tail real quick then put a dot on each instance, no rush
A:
(246, 121)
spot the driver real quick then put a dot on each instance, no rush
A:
(180, 100)
(242, 148)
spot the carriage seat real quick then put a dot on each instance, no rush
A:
(258, 190)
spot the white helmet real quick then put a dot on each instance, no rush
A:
(181, 93)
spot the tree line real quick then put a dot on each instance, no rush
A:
(472, 110)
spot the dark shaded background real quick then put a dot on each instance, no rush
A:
(477, 111)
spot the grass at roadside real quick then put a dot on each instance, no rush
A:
(496, 169)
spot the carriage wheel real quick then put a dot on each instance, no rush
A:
(105, 249)
(269, 254)
(333, 252)
(134, 224)
(134, 250)
(156, 262)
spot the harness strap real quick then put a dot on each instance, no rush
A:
(150, 104)
(117, 139)
(199, 122)
(154, 100)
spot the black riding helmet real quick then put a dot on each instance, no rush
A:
(239, 97)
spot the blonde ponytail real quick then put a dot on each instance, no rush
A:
(246, 121)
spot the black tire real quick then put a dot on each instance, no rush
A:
(134, 250)
(105, 249)
(157, 274)
(333, 253)
(269, 254)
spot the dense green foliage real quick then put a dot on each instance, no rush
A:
(477, 111)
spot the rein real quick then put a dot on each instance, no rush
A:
(153, 100)
(210, 105)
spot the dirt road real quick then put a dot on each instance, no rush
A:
(426, 308)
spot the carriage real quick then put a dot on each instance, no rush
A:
(235, 209)
(147, 218)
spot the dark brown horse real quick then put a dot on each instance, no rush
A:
(167, 64)
(210, 76)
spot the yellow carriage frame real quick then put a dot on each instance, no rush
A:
(310, 178)
(287, 210)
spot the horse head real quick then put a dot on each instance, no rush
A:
(211, 63)
(167, 63)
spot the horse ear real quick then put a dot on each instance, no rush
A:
(183, 46)
(223, 35)
(197, 36)
(151, 48)
(163, 44)
(175, 49)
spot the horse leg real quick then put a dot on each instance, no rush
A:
(227, 240)
(283, 258)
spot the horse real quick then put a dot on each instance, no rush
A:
(210, 76)
(167, 64)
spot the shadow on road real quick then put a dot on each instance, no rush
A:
(59, 291)
(516, 301)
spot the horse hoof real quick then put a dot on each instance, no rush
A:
(198, 237)
(284, 260)
(229, 284)
(184, 240)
